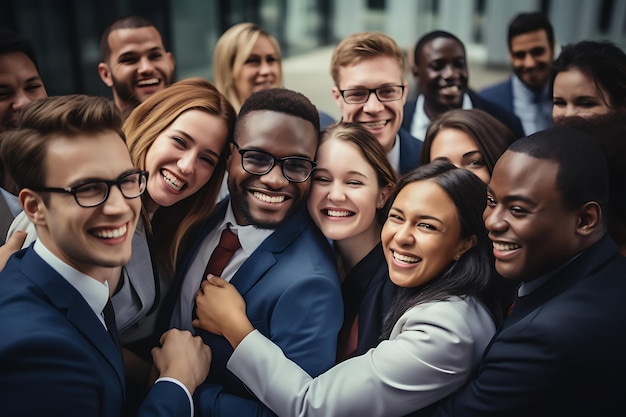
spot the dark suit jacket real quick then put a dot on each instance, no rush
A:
(500, 94)
(292, 296)
(6, 217)
(561, 351)
(506, 117)
(410, 151)
(56, 358)
(368, 292)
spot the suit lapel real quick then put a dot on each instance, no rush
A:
(264, 257)
(69, 301)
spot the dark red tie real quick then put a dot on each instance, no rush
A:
(225, 249)
(227, 246)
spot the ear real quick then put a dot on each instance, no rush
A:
(337, 97)
(33, 206)
(466, 245)
(105, 74)
(170, 56)
(384, 196)
(589, 219)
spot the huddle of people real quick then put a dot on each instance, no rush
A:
(224, 249)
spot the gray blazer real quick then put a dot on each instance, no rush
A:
(431, 352)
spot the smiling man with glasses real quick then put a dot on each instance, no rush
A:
(283, 267)
(79, 188)
(368, 71)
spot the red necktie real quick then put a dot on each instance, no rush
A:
(227, 246)
(225, 249)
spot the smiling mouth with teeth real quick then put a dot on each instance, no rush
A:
(503, 247)
(451, 89)
(405, 259)
(267, 198)
(375, 125)
(111, 233)
(150, 82)
(338, 213)
(172, 181)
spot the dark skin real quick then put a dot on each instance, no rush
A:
(441, 75)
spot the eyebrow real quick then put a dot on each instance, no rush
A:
(513, 197)
(470, 153)
(191, 139)
(86, 180)
(421, 216)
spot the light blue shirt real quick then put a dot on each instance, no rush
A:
(533, 109)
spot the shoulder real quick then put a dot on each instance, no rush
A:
(494, 91)
(464, 318)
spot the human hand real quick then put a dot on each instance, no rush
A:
(222, 310)
(183, 357)
(12, 245)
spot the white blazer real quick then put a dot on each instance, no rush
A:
(430, 354)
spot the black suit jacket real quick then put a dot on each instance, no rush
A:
(506, 117)
(561, 351)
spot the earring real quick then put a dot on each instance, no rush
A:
(456, 258)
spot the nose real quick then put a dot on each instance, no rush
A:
(145, 65)
(115, 203)
(274, 179)
(186, 163)
(448, 72)
(529, 61)
(373, 105)
(21, 100)
(404, 235)
(265, 67)
(494, 220)
(336, 193)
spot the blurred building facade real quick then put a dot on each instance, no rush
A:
(66, 33)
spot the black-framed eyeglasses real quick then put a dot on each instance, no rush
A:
(383, 94)
(257, 162)
(93, 193)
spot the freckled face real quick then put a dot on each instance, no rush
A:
(421, 236)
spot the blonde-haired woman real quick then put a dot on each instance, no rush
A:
(246, 59)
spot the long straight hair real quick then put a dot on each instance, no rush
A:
(469, 276)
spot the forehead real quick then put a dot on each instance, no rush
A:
(134, 40)
(518, 174)
(17, 63)
(278, 133)
(371, 72)
(100, 155)
(426, 198)
(440, 48)
(334, 150)
(574, 82)
(451, 141)
(263, 45)
(530, 40)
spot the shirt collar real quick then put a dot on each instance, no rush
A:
(94, 292)
(421, 119)
(394, 155)
(250, 237)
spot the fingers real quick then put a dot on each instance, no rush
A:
(16, 240)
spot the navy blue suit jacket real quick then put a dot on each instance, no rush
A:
(56, 357)
(500, 94)
(292, 296)
(410, 151)
(561, 351)
(509, 119)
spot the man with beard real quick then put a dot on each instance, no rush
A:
(441, 76)
(135, 63)
(279, 261)
(531, 53)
